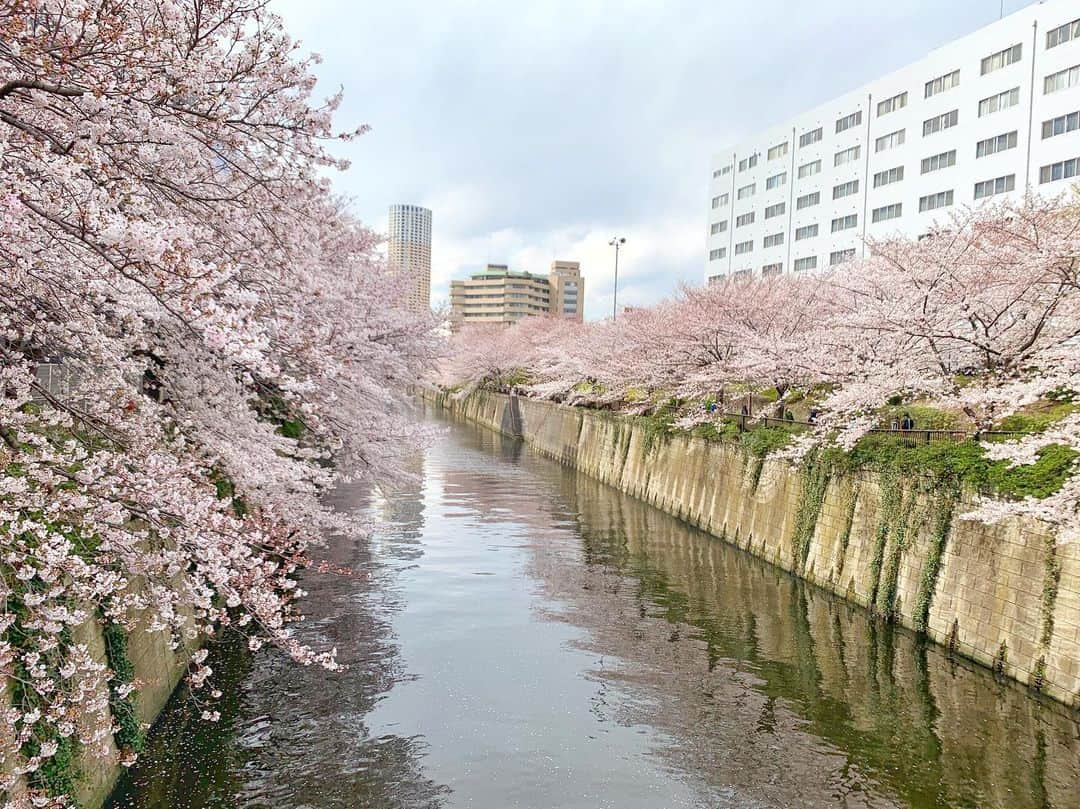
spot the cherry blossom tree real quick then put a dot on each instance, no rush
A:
(224, 327)
(980, 317)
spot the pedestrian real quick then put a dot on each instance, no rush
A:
(894, 424)
(907, 422)
(743, 411)
(812, 418)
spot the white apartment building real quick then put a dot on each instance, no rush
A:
(409, 249)
(987, 115)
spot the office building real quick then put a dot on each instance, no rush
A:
(567, 296)
(498, 294)
(409, 249)
(982, 118)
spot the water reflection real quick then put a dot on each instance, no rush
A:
(296, 737)
(521, 635)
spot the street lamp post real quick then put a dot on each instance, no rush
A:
(616, 242)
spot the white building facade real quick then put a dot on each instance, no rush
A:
(409, 248)
(987, 115)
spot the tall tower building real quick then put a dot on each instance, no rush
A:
(409, 249)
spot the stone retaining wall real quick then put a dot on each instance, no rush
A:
(158, 669)
(1003, 595)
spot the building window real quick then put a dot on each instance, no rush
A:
(940, 122)
(806, 232)
(809, 169)
(717, 254)
(999, 185)
(845, 189)
(773, 240)
(744, 219)
(840, 256)
(778, 151)
(1062, 80)
(745, 192)
(775, 181)
(1062, 34)
(939, 161)
(888, 176)
(718, 227)
(890, 141)
(808, 263)
(1061, 125)
(996, 61)
(942, 83)
(897, 102)
(716, 279)
(846, 156)
(848, 121)
(721, 172)
(1001, 101)
(942, 199)
(1060, 171)
(775, 210)
(744, 247)
(772, 269)
(806, 200)
(807, 138)
(887, 212)
(999, 143)
(845, 222)
(748, 162)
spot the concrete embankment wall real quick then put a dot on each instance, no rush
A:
(157, 670)
(1004, 595)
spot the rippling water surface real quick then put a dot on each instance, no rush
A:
(518, 635)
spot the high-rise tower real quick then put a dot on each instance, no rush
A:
(409, 249)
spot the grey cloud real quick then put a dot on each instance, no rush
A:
(555, 118)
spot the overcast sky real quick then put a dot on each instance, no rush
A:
(536, 130)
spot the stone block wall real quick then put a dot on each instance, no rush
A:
(1003, 595)
(158, 669)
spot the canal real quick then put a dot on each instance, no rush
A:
(519, 635)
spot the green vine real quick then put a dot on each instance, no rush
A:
(1001, 658)
(885, 605)
(814, 475)
(129, 733)
(943, 513)
(952, 642)
(851, 499)
(1051, 581)
(57, 776)
(891, 496)
(1040, 674)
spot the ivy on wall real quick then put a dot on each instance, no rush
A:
(128, 733)
(1051, 581)
(814, 477)
(944, 505)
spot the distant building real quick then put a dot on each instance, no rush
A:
(409, 248)
(498, 294)
(567, 289)
(983, 118)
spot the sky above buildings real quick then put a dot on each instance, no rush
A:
(539, 130)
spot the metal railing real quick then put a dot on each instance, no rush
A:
(909, 437)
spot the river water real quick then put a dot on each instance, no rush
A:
(518, 635)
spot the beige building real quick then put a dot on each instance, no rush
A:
(409, 248)
(498, 294)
